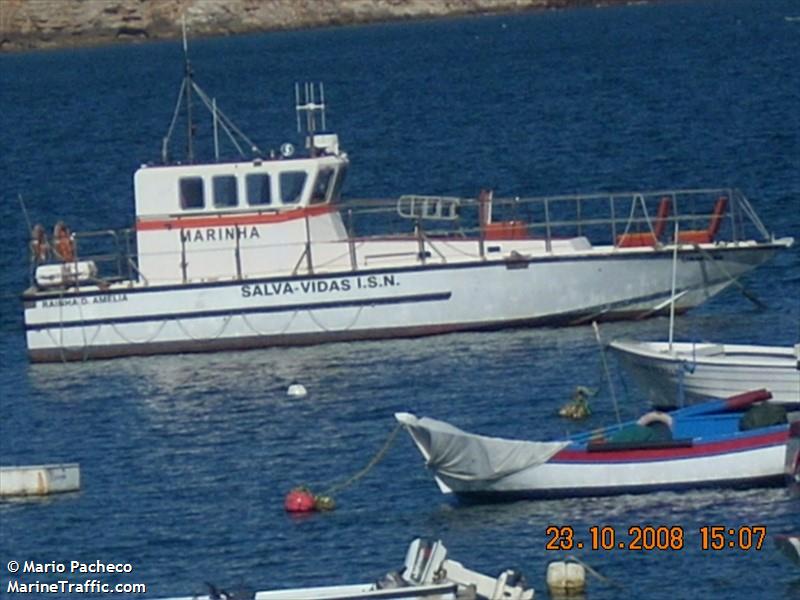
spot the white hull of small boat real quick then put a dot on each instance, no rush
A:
(708, 451)
(426, 575)
(706, 370)
(365, 591)
(753, 468)
(39, 480)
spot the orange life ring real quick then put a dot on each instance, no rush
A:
(65, 249)
(40, 249)
(63, 244)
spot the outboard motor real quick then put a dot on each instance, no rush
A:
(424, 561)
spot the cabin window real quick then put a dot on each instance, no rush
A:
(320, 191)
(191, 189)
(225, 191)
(258, 192)
(338, 183)
(292, 183)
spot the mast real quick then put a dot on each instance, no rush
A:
(672, 287)
(189, 83)
(220, 119)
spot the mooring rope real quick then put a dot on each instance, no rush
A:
(602, 578)
(225, 321)
(734, 280)
(375, 460)
(257, 331)
(327, 329)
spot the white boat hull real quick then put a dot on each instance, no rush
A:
(129, 319)
(702, 371)
(426, 575)
(762, 466)
(707, 451)
(39, 480)
(365, 591)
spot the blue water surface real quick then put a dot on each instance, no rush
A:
(186, 459)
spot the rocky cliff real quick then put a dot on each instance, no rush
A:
(30, 24)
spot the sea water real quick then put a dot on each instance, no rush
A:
(186, 459)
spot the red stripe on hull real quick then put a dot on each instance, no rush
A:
(232, 220)
(697, 451)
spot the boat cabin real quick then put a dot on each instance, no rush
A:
(203, 222)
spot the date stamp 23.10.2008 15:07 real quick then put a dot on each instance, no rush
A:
(645, 538)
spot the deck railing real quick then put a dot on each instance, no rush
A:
(620, 220)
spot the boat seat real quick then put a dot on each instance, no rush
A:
(648, 238)
(708, 350)
(706, 236)
(763, 415)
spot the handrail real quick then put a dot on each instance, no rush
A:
(598, 217)
(689, 207)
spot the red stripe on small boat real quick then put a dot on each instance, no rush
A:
(232, 220)
(697, 451)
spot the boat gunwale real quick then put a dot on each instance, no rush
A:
(701, 448)
(138, 286)
(780, 358)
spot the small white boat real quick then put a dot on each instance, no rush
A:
(427, 575)
(259, 251)
(698, 371)
(39, 480)
(790, 546)
(737, 442)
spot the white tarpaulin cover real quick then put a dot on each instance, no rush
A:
(460, 455)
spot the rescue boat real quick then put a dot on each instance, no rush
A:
(261, 251)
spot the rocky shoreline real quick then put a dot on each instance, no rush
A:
(41, 24)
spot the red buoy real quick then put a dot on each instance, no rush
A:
(299, 500)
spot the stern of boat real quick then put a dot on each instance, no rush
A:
(793, 449)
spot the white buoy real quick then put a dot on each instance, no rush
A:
(39, 480)
(565, 578)
(296, 390)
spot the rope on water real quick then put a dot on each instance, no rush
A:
(602, 578)
(301, 499)
(375, 460)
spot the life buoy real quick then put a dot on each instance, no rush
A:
(63, 244)
(40, 249)
(299, 500)
(655, 416)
